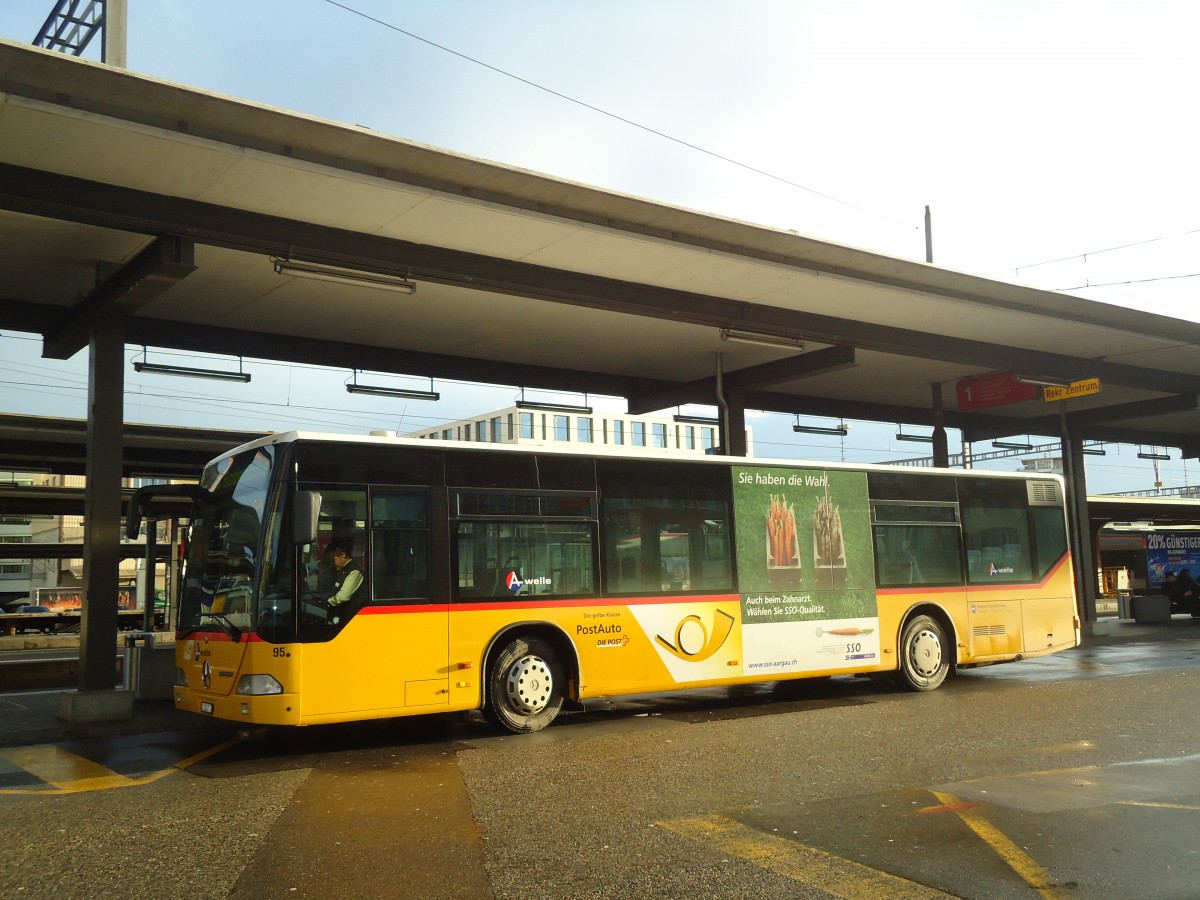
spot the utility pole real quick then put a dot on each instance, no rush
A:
(928, 236)
(116, 34)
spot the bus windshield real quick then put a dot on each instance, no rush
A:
(221, 562)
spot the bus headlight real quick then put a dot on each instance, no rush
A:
(259, 684)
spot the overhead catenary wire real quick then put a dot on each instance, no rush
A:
(1130, 281)
(320, 417)
(1086, 254)
(614, 116)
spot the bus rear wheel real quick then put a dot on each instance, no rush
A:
(924, 654)
(524, 686)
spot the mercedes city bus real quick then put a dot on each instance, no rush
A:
(517, 581)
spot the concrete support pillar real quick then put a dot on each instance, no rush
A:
(116, 33)
(731, 414)
(150, 573)
(102, 528)
(941, 443)
(733, 429)
(1079, 535)
(170, 613)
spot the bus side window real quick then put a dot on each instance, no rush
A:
(666, 538)
(917, 541)
(995, 520)
(1050, 532)
(399, 544)
(917, 554)
(513, 559)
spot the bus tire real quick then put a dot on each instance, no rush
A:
(924, 654)
(525, 686)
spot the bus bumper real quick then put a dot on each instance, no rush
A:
(273, 709)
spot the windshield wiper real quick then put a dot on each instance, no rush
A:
(228, 627)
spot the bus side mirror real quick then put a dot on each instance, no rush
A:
(304, 522)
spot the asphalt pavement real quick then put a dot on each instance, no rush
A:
(32, 717)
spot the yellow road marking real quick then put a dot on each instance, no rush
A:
(1016, 858)
(68, 773)
(64, 770)
(806, 865)
(205, 754)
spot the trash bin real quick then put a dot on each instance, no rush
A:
(1151, 608)
(1124, 610)
(149, 667)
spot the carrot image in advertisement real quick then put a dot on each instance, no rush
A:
(783, 549)
(781, 531)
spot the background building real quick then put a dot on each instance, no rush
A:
(580, 425)
(51, 581)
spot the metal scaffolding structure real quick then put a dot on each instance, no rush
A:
(71, 26)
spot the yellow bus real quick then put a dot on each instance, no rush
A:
(329, 579)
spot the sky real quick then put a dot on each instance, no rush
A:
(1054, 142)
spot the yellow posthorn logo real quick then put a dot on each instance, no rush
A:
(693, 643)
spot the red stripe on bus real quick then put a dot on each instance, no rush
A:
(606, 601)
(492, 605)
(390, 608)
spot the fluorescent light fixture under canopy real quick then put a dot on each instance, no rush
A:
(553, 407)
(582, 409)
(841, 430)
(763, 340)
(382, 391)
(901, 435)
(189, 371)
(1154, 454)
(335, 275)
(1012, 445)
(1043, 381)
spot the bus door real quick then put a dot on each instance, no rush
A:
(384, 645)
(1000, 576)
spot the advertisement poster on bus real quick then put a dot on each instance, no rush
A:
(806, 567)
(1170, 551)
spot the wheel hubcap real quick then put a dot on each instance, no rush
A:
(926, 654)
(529, 685)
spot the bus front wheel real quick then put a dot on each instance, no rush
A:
(525, 686)
(924, 654)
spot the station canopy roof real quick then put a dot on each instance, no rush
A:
(122, 194)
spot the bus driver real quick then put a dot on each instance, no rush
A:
(347, 577)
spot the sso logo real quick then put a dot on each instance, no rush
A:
(513, 582)
(693, 642)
